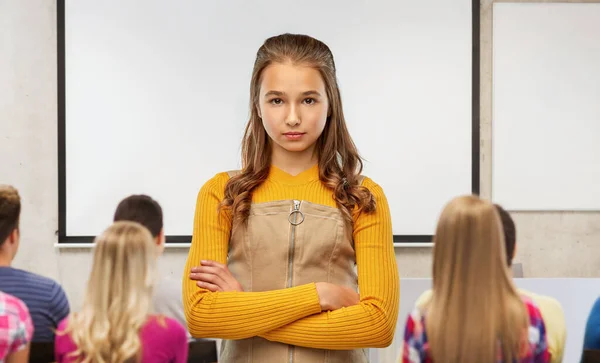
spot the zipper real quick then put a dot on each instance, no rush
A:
(295, 218)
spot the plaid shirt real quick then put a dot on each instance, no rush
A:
(416, 346)
(16, 328)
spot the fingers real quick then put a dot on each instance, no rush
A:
(208, 286)
(213, 264)
(211, 270)
(208, 277)
(208, 263)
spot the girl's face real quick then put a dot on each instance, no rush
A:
(293, 106)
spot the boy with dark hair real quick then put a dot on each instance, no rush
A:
(147, 212)
(45, 298)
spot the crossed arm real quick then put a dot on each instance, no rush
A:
(299, 315)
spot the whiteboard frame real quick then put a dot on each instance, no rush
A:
(177, 240)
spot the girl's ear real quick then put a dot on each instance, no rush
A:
(258, 111)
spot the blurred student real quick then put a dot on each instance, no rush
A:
(45, 298)
(591, 339)
(115, 324)
(167, 291)
(16, 330)
(552, 312)
(475, 313)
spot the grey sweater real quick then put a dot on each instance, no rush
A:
(167, 300)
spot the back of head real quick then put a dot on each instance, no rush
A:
(510, 233)
(143, 210)
(475, 305)
(118, 297)
(10, 209)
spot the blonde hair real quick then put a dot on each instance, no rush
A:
(118, 296)
(475, 306)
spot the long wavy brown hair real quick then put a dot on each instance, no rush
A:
(339, 162)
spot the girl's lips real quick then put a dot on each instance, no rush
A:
(293, 135)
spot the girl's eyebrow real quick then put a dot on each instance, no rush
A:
(274, 93)
(279, 93)
(311, 93)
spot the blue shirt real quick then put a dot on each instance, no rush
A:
(45, 299)
(591, 340)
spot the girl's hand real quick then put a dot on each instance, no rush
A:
(214, 277)
(333, 297)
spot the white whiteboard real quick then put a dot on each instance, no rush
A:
(546, 102)
(157, 98)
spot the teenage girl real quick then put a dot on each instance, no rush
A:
(292, 257)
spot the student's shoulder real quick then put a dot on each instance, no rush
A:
(62, 325)
(424, 299)
(534, 312)
(52, 295)
(12, 305)
(174, 326)
(44, 283)
(543, 302)
(63, 343)
(596, 306)
(16, 324)
(15, 311)
(156, 321)
(169, 327)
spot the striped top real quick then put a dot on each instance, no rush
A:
(16, 328)
(293, 315)
(167, 300)
(45, 299)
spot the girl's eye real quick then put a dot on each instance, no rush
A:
(310, 101)
(276, 101)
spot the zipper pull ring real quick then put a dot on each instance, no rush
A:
(293, 217)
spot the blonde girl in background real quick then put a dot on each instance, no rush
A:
(115, 324)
